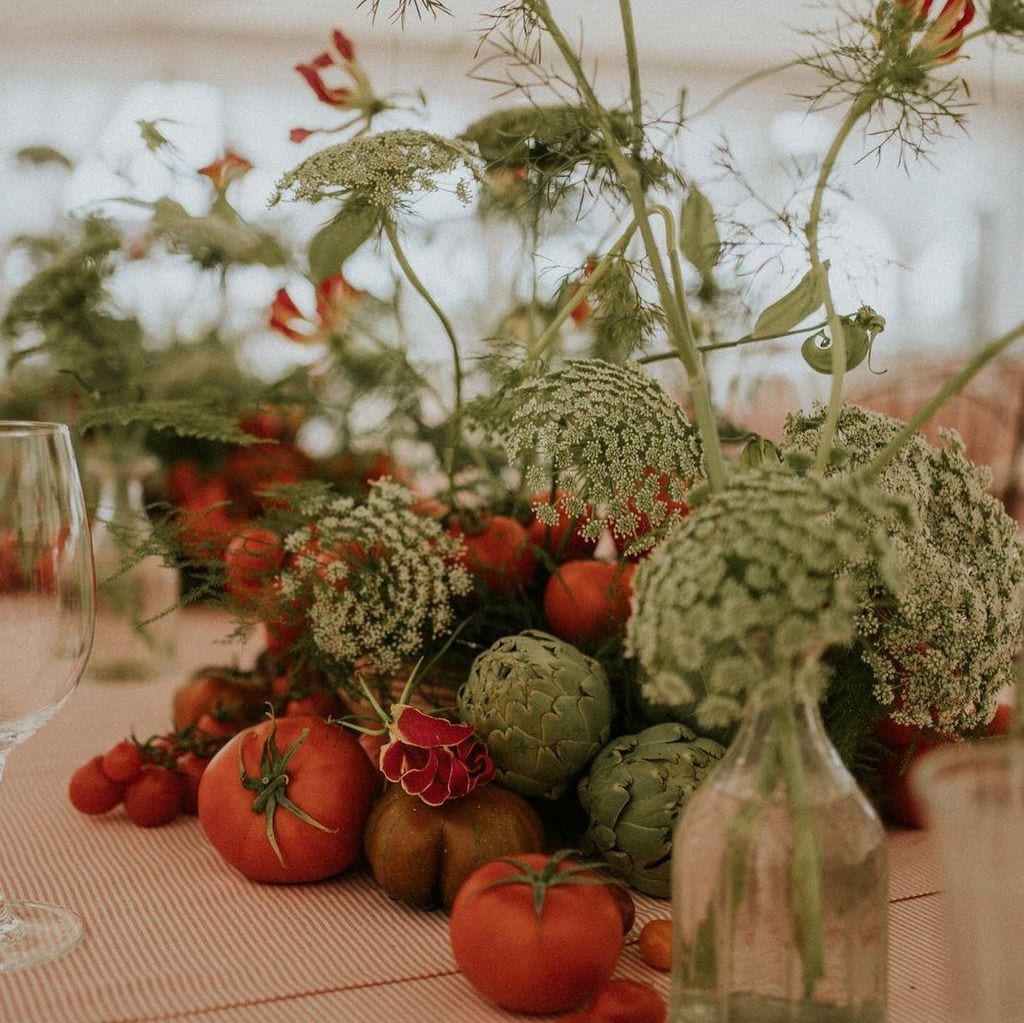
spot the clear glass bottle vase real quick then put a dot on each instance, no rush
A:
(779, 882)
(135, 639)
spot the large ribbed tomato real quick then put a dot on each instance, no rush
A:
(286, 801)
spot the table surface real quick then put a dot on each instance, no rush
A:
(174, 934)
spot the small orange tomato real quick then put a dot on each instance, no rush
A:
(656, 944)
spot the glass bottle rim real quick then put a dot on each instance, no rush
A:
(29, 427)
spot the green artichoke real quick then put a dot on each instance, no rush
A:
(634, 792)
(543, 709)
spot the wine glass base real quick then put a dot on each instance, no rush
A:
(40, 933)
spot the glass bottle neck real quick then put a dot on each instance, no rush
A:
(782, 745)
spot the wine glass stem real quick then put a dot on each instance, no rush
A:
(8, 921)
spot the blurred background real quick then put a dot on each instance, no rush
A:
(936, 246)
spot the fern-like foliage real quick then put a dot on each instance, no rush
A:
(187, 417)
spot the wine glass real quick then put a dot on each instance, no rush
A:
(47, 598)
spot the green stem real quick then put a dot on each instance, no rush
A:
(414, 280)
(952, 386)
(860, 107)
(672, 244)
(746, 340)
(633, 63)
(629, 177)
(743, 83)
(579, 294)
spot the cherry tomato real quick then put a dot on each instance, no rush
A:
(91, 791)
(628, 1001)
(123, 761)
(527, 962)
(251, 559)
(154, 798)
(191, 767)
(317, 704)
(498, 553)
(586, 601)
(656, 944)
(327, 778)
(213, 727)
(562, 540)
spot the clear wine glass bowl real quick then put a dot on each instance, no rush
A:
(47, 611)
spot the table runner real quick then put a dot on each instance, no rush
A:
(174, 934)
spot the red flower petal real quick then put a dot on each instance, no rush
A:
(344, 45)
(299, 134)
(419, 729)
(311, 72)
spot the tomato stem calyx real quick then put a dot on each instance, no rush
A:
(271, 786)
(549, 876)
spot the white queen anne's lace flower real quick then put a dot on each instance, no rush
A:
(382, 578)
(612, 436)
(943, 647)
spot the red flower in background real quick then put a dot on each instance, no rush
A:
(350, 90)
(335, 298)
(433, 758)
(944, 35)
(230, 167)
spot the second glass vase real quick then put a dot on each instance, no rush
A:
(135, 638)
(779, 882)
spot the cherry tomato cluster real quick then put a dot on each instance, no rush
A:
(155, 780)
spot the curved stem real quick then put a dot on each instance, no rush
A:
(629, 177)
(633, 63)
(952, 386)
(743, 83)
(860, 107)
(414, 280)
(584, 289)
(746, 340)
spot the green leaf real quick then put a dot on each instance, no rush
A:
(699, 241)
(336, 241)
(794, 307)
(40, 156)
(185, 416)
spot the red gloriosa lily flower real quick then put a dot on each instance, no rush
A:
(353, 93)
(334, 299)
(944, 35)
(230, 167)
(433, 758)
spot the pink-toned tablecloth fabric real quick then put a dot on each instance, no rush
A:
(173, 934)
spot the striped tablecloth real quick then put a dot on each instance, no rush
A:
(173, 934)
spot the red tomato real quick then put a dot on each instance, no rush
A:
(182, 481)
(219, 692)
(272, 422)
(561, 540)
(1002, 720)
(328, 778)
(527, 963)
(154, 798)
(207, 523)
(123, 761)
(675, 509)
(91, 791)
(318, 704)
(899, 803)
(498, 553)
(191, 767)
(213, 727)
(585, 601)
(372, 745)
(628, 1001)
(253, 469)
(251, 559)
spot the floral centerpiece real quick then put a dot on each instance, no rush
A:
(556, 490)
